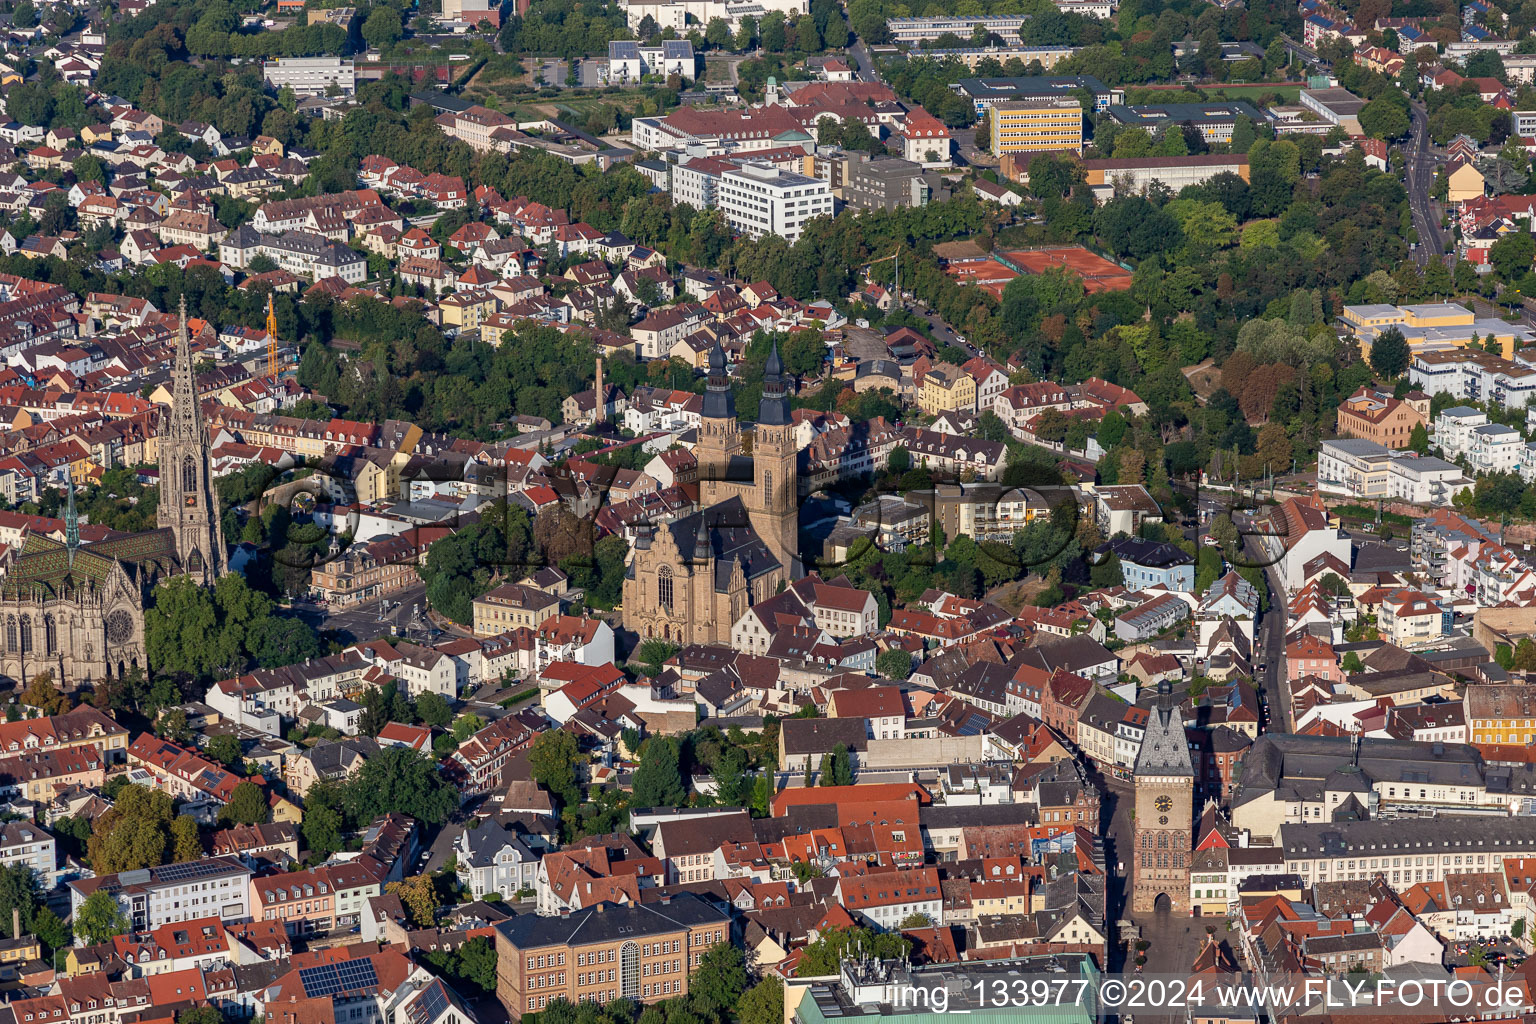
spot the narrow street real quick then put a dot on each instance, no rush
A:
(1174, 938)
(1269, 644)
(1420, 165)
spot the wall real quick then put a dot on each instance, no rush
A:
(909, 753)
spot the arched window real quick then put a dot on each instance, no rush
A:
(10, 635)
(664, 587)
(26, 634)
(629, 970)
(50, 635)
(768, 487)
(189, 474)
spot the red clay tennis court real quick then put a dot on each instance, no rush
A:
(1098, 273)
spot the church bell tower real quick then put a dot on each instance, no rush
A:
(775, 504)
(189, 506)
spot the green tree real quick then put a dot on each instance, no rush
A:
(1511, 255)
(186, 844)
(100, 918)
(134, 833)
(763, 1003)
(181, 631)
(51, 930)
(433, 709)
(19, 891)
(43, 695)
(1389, 353)
(323, 820)
(1525, 656)
(827, 954)
(1107, 573)
(248, 803)
(1385, 118)
(894, 663)
(1418, 440)
(1351, 663)
(382, 27)
(721, 977)
(552, 761)
(400, 779)
(659, 779)
(1504, 656)
(225, 749)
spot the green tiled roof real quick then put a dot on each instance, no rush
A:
(44, 563)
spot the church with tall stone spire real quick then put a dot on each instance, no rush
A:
(189, 504)
(691, 579)
(76, 611)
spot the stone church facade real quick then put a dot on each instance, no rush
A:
(691, 579)
(77, 610)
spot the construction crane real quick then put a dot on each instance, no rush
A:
(272, 366)
(896, 291)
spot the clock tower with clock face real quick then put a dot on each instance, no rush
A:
(1164, 778)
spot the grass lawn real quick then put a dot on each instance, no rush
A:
(1292, 93)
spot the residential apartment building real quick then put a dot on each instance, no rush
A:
(1464, 432)
(1353, 467)
(1425, 480)
(23, 843)
(1410, 619)
(510, 606)
(636, 951)
(1357, 468)
(185, 891)
(946, 388)
(315, 256)
(1473, 375)
(1037, 126)
(760, 199)
(82, 726)
(884, 899)
(315, 900)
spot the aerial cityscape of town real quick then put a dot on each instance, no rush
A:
(767, 511)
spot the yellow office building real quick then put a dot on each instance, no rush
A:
(1037, 126)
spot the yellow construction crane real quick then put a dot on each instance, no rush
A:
(896, 291)
(272, 366)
